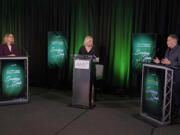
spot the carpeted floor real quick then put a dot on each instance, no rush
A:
(48, 113)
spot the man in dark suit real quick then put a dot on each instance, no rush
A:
(172, 58)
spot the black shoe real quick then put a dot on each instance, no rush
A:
(175, 120)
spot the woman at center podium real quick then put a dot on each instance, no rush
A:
(88, 48)
(8, 48)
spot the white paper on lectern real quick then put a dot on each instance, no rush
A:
(81, 64)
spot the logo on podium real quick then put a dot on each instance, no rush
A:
(81, 64)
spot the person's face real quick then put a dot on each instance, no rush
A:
(171, 42)
(90, 43)
(10, 38)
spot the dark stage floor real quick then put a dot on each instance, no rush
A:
(48, 114)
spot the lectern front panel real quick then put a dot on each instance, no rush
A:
(156, 93)
(81, 82)
(153, 91)
(13, 80)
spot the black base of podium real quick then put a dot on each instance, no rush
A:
(82, 106)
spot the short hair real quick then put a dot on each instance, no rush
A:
(174, 36)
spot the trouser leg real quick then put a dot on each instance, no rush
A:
(175, 100)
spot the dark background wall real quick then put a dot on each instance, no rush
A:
(109, 22)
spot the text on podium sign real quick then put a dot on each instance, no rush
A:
(81, 64)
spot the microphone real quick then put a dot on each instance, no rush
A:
(26, 52)
(157, 50)
(141, 60)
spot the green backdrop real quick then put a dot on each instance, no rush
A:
(57, 50)
(143, 51)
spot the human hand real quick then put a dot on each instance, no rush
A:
(156, 60)
(166, 61)
(12, 55)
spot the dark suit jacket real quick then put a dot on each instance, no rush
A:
(4, 50)
(93, 51)
(174, 56)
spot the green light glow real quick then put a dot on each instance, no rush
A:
(81, 26)
(120, 45)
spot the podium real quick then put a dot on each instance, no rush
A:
(83, 89)
(156, 93)
(14, 87)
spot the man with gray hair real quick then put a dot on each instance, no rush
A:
(172, 58)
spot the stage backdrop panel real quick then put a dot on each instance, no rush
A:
(143, 51)
(57, 49)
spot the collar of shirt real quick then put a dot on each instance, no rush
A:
(174, 48)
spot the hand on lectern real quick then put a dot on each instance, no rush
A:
(12, 55)
(97, 59)
(156, 60)
(166, 61)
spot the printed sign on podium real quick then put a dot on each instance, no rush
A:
(156, 93)
(81, 64)
(83, 92)
(14, 80)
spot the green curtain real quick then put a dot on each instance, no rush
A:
(81, 25)
(109, 22)
(12, 20)
(120, 43)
